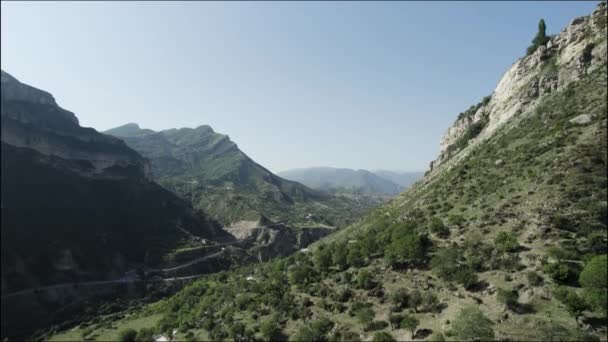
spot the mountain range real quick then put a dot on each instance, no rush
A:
(382, 183)
(209, 170)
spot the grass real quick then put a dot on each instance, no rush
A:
(108, 331)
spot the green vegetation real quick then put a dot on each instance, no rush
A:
(540, 38)
(472, 324)
(128, 335)
(594, 280)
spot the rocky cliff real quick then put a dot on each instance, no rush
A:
(577, 50)
(77, 204)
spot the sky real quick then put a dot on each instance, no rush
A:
(370, 85)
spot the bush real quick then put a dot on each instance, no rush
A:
(594, 281)
(472, 324)
(365, 315)
(395, 320)
(506, 242)
(145, 335)
(534, 279)
(322, 257)
(270, 328)
(400, 298)
(127, 335)
(559, 272)
(410, 323)
(383, 336)
(574, 303)
(438, 228)
(365, 280)
(507, 297)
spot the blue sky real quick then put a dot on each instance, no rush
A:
(295, 84)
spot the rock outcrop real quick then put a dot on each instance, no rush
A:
(577, 50)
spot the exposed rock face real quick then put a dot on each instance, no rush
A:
(579, 49)
(266, 240)
(31, 119)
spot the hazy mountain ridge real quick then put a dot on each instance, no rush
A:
(360, 181)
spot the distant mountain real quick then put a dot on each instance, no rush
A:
(77, 204)
(329, 178)
(209, 169)
(128, 130)
(405, 179)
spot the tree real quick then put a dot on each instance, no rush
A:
(472, 324)
(127, 335)
(415, 300)
(365, 280)
(540, 38)
(383, 336)
(270, 328)
(395, 320)
(365, 315)
(408, 247)
(400, 298)
(355, 256)
(430, 302)
(340, 255)
(410, 323)
(322, 257)
(594, 281)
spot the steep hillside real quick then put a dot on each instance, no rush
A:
(332, 179)
(505, 238)
(77, 204)
(209, 169)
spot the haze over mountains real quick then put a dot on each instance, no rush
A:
(384, 183)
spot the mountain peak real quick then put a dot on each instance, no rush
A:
(128, 130)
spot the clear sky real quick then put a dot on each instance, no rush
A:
(295, 84)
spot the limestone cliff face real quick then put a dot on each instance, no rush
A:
(577, 50)
(32, 119)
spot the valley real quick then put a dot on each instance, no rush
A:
(135, 234)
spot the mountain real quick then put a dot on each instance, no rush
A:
(505, 238)
(77, 204)
(128, 130)
(405, 179)
(208, 169)
(329, 178)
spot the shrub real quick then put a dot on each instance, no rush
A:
(400, 298)
(430, 303)
(472, 324)
(559, 271)
(395, 320)
(415, 300)
(438, 228)
(270, 328)
(355, 255)
(145, 335)
(506, 242)
(322, 257)
(340, 255)
(127, 335)
(507, 297)
(594, 281)
(574, 303)
(365, 280)
(410, 323)
(534, 279)
(383, 336)
(456, 220)
(365, 315)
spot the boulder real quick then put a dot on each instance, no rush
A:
(582, 119)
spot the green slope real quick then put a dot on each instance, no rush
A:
(209, 170)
